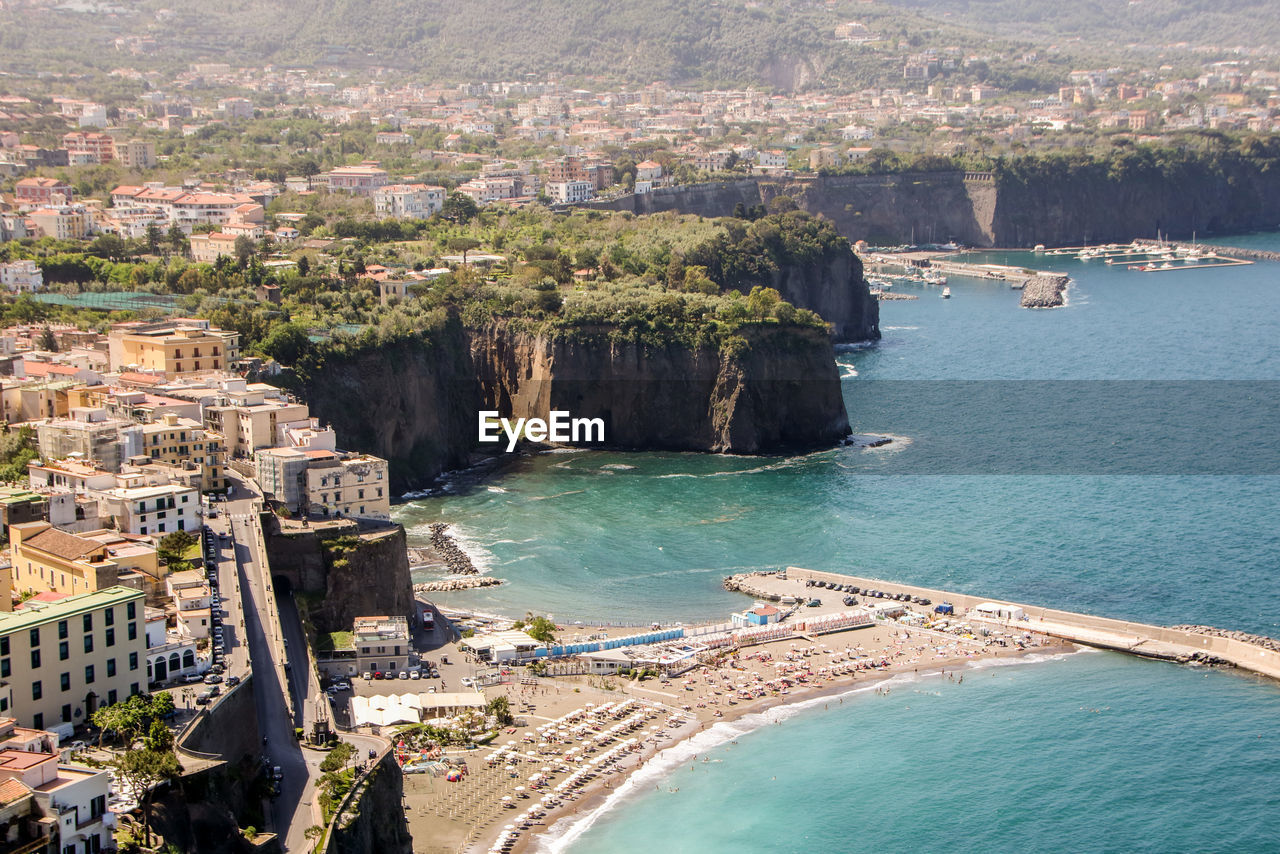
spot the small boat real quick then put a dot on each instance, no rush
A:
(1166, 266)
(946, 293)
(1039, 247)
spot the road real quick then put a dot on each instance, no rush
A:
(285, 689)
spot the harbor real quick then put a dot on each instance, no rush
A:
(1155, 256)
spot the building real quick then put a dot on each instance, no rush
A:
(326, 483)
(45, 559)
(18, 505)
(208, 248)
(172, 347)
(43, 191)
(193, 598)
(382, 643)
(89, 435)
(177, 441)
(251, 416)
(137, 154)
(153, 509)
(69, 222)
(96, 147)
(26, 827)
(24, 275)
(408, 201)
(72, 799)
(360, 180)
(761, 615)
(648, 170)
(570, 192)
(236, 108)
(41, 685)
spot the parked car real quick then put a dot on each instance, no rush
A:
(192, 678)
(467, 681)
(217, 668)
(377, 674)
(404, 674)
(277, 773)
(344, 685)
(204, 698)
(413, 674)
(233, 681)
(212, 679)
(366, 675)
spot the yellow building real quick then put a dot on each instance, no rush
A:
(60, 660)
(43, 558)
(171, 348)
(175, 441)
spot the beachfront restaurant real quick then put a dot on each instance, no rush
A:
(997, 611)
(498, 647)
(411, 708)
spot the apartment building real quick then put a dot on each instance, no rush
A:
(171, 348)
(90, 436)
(176, 441)
(360, 180)
(137, 154)
(382, 643)
(326, 483)
(41, 685)
(570, 192)
(208, 248)
(251, 416)
(96, 147)
(41, 191)
(408, 201)
(23, 275)
(152, 510)
(70, 800)
(71, 222)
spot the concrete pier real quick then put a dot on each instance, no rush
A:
(1197, 644)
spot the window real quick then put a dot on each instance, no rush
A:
(37, 720)
(133, 688)
(131, 610)
(35, 636)
(88, 622)
(133, 631)
(4, 645)
(111, 667)
(64, 651)
(88, 674)
(88, 643)
(112, 696)
(37, 691)
(35, 659)
(109, 616)
(62, 629)
(65, 680)
(111, 637)
(4, 668)
(66, 713)
(133, 661)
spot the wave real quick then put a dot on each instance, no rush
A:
(617, 467)
(899, 328)
(560, 836)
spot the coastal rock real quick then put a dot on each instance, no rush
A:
(1257, 640)
(456, 582)
(1044, 291)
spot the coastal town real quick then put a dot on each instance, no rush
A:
(251, 310)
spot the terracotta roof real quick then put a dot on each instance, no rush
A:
(49, 596)
(12, 790)
(62, 544)
(142, 379)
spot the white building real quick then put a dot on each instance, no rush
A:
(408, 201)
(21, 276)
(76, 796)
(569, 192)
(152, 510)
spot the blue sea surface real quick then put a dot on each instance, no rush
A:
(1013, 507)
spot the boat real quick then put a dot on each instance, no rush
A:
(1038, 248)
(1166, 266)
(946, 293)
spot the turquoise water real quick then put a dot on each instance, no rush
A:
(1096, 752)
(1007, 761)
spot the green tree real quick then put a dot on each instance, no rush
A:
(177, 239)
(304, 266)
(245, 250)
(48, 341)
(540, 628)
(463, 245)
(459, 207)
(287, 343)
(173, 547)
(500, 709)
(159, 737)
(153, 238)
(143, 770)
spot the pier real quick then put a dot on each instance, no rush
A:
(1183, 644)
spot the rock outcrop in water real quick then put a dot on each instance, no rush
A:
(1044, 291)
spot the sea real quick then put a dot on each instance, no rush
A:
(1117, 456)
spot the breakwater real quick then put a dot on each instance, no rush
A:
(1195, 644)
(1044, 291)
(456, 582)
(449, 553)
(1233, 251)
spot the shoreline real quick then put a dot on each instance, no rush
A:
(560, 824)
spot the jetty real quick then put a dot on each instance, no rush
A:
(442, 551)
(1182, 644)
(456, 582)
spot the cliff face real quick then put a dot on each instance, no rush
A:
(782, 392)
(375, 819)
(1090, 206)
(355, 573)
(839, 294)
(408, 402)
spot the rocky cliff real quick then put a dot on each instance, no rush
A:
(373, 820)
(777, 393)
(339, 573)
(774, 389)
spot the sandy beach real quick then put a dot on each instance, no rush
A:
(581, 737)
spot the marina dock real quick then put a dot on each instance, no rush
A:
(1198, 644)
